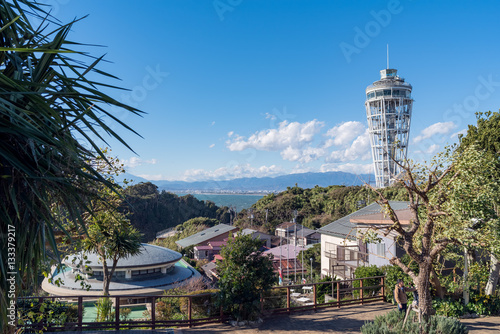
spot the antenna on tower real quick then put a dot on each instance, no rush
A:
(387, 56)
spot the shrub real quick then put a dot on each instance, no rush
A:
(200, 306)
(393, 273)
(104, 308)
(163, 310)
(484, 305)
(125, 313)
(392, 323)
(323, 289)
(49, 311)
(448, 307)
(275, 298)
(367, 271)
(479, 304)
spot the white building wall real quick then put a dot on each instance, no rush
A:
(328, 239)
(379, 254)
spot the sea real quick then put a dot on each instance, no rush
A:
(237, 201)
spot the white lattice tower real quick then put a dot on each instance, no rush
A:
(388, 111)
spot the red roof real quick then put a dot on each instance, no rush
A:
(287, 265)
(218, 257)
(217, 243)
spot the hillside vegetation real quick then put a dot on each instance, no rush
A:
(152, 211)
(187, 229)
(315, 207)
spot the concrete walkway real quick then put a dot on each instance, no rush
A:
(345, 320)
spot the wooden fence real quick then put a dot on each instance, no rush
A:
(283, 299)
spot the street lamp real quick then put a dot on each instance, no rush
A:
(311, 269)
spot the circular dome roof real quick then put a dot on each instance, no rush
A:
(150, 255)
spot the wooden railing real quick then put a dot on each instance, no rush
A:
(283, 299)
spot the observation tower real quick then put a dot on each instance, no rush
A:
(388, 111)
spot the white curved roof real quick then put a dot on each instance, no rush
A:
(150, 255)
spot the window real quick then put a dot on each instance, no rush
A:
(381, 249)
(330, 250)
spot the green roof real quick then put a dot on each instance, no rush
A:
(343, 228)
(205, 235)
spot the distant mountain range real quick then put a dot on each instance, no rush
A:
(259, 185)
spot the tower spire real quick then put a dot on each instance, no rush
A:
(387, 55)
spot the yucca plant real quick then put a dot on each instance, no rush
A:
(49, 113)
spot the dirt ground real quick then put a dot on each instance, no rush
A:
(347, 319)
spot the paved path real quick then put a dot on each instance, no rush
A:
(345, 320)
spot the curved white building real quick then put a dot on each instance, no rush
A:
(388, 111)
(151, 272)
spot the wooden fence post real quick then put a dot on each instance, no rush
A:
(80, 312)
(314, 296)
(361, 290)
(189, 311)
(382, 282)
(288, 299)
(117, 313)
(153, 313)
(338, 294)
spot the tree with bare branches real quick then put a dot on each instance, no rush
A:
(446, 202)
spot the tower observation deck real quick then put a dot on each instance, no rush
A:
(388, 111)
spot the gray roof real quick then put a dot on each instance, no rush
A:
(250, 231)
(205, 235)
(343, 228)
(150, 255)
(303, 231)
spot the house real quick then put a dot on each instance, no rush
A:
(342, 249)
(266, 238)
(209, 251)
(297, 234)
(286, 256)
(216, 233)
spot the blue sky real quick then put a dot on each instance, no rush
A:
(237, 88)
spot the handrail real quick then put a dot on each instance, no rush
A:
(117, 324)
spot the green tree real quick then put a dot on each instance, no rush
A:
(245, 274)
(486, 136)
(444, 199)
(48, 105)
(112, 237)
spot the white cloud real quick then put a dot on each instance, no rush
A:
(270, 116)
(349, 168)
(293, 135)
(212, 146)
(136, 162)
(433, 149)
(212, 124)
(152, 177)
(434, 129)
(344, 133)
(303, 155)
(359, 149)
(230, 134)
(232, 172)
